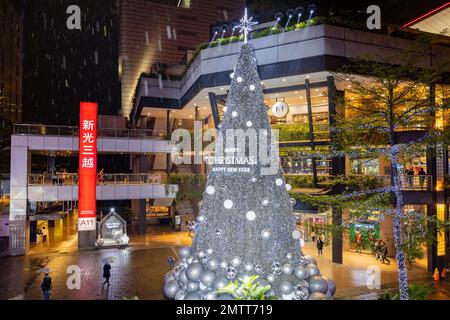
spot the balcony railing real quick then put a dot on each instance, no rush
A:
(416, 183)
(71, 179)
(46, 130)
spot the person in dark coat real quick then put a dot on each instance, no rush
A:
(320, 244)
(106, 273)
(46, 286)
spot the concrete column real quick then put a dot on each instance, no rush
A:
(18, 204)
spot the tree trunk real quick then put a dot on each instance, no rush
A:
(399, 254)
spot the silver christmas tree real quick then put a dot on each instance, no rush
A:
(246, 226)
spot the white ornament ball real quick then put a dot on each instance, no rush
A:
(254, 180)
(296, 234)
(249, 124)
(236, 261)
(271, 278)
(248, 267)
(288, 187)
(265, 202)
(223, 264)
(251, 215)
(265, 234)
(209, 251)
(210, 190)
(200, 218)
(252, 87)
(279, 182)
(225, 109)
(232, 75)
(239, 79)
(234, 114)
(228, 204)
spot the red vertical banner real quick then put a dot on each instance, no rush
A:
(87, 177)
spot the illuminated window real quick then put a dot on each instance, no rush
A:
(440, 214)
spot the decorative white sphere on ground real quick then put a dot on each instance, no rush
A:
(285, 287)
(171, 288)
(317, 284)
(194, 271)
(301, 272)
(208, 278)
(287, 269)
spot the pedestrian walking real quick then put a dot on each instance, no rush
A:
(44, 235)
(320, 244)
(384, 253)
(46, 286)
(422, 175)
(106, 273)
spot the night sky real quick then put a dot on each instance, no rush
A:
(62, 66)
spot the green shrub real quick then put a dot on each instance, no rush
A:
(416, 292)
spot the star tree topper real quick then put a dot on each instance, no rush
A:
(246, 25)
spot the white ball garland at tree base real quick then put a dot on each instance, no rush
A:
(294, 280)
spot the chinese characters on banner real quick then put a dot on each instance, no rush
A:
(87, 180)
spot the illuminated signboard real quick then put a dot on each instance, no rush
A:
(87, 179)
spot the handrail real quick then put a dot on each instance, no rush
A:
(37, 129)
(71, 179)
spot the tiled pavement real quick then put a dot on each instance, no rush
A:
(139, 269)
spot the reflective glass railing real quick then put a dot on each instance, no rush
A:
(69, 179)
(47, 130)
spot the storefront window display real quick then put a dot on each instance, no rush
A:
(156, 211)
(112, 231)
(363, 236)
(303, 165)
(365, 166)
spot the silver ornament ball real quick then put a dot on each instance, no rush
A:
(192, 286)
(285, 287)
(317, 284)
(194, 271)
(171, 288)
(208, 278)
(212, 264)
(301, 273)
(287, 269)
(192, 296)
(220, 282)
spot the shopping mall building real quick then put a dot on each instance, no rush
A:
(297, 68)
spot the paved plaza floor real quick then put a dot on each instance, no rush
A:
(138, 270)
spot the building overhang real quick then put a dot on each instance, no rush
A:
(284, 60)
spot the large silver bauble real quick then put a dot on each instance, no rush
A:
(192, 296)
(220, 282)
(248, 267)
(258, 268)
(185, 252)
(317, 296)
(194, 271)
(231, 273)
(236, 261)
(271, 278)
(276, 268)
(212, 264)
(169, 276)
(331, 287)
(300, 292)
(208, 278)
(287, 269)
(192, 286)
(182, 276)
(313, 270)
(301, 272)
(180, 295)
(317, 284)
(171, 288)
(285, 287)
